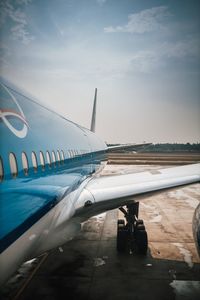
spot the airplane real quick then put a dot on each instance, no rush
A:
(50, 182)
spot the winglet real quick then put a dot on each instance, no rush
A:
(93, 122)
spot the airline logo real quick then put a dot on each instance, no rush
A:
(6, 114)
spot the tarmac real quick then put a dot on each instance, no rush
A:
(89, 267)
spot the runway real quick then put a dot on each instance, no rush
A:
(89, 266)
(154, 158)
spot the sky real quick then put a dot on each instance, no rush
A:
(142, 55)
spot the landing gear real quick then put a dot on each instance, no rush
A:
(131, 235)
(122, 234)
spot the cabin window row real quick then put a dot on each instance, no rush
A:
(56, 158)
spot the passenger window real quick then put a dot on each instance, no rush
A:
(62, 156)
(1, 169)
(58, 157)
(48, 158)
(54, 158)
(13, 165)
(34, 161)
(42, 161)
(25, 163)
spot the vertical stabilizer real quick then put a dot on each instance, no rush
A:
(93, 122)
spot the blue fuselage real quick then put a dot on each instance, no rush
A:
(43, 157)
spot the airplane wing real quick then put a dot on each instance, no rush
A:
(109, 192)
(131, 147)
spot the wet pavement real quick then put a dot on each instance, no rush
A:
(89, 266)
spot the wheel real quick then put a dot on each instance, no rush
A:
(122, 236)
(140, 227)
(121, 221)
(142, 241)
(139, 221)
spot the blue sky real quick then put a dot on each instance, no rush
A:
(143, 56)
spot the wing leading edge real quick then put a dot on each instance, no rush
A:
(109, 192)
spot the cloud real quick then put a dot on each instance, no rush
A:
(147, 20)
(147, 61)
(13, 17)
(181, 49)
(76, 62)
(20, 33)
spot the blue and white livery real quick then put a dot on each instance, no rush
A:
(49, 179)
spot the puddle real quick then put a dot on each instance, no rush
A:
(186, 254)
(173, 273)
(148, 265)
(187, 290)
(156, 219)
(181, 195)
(99, 262)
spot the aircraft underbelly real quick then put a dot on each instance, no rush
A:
(52, 230)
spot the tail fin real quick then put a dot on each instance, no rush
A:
(93, 122)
